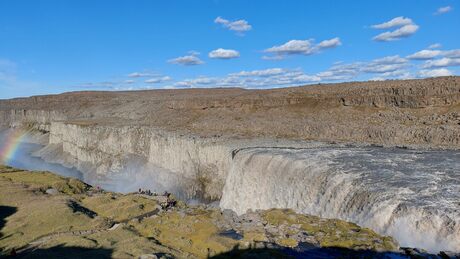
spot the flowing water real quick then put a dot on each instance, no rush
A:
(413, 196)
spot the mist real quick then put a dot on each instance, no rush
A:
(23, 158)
(135, 173)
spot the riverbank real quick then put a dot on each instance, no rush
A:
(393, 191)
(311, 149)
(48, 215)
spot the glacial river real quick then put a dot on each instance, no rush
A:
(412, 195)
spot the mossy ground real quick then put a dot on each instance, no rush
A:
(82, 218)
(331, 232)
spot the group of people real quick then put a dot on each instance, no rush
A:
(169, 203)
(147, 192)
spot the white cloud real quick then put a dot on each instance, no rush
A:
(435, 72)
(385, 64)
(396, 59)
(293, 47)
(188, 60)
(443, 10)
(129, 81)
(276, 57)
(398, 74)
(406, 28)
(304, 47)
(378, 78)
(332, 43)
(395, 22)
(443, 62)
(435, 46)
(402, 32)
(341, 72)
(388, 67)
(158, 80)
(383, 68)
(201, 81)
(455, 53)
(300, 79)
(266, 78)
(265, 72)
(224, 53)
(141, 74)
(239, 26)
(425, 54)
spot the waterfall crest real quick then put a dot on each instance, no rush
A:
(410, 195)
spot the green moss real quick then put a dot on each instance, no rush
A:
(191, 232)
(255, 236)
(287, 242)
(194, 232)
(119, 207)
(332, 232)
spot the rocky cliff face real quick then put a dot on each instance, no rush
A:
(190, 141)
(100, 150)
(35, 119)
(200, 165)
(193, 133)
(411, 112)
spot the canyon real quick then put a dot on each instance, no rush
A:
(359, 151)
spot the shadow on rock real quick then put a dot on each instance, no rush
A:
(70, 252)
(274, 251)
(5, 212)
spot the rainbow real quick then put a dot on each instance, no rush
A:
(9, 145)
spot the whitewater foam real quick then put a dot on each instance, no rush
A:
(411, 195)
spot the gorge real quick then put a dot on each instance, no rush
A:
(381, 154)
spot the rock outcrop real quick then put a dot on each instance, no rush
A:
(187, 140)
(409, 112)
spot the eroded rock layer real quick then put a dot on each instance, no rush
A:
(410, 112)
(196, 142)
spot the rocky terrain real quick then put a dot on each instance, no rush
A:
(45, 215)
(192, 133)
(409, 112)
(188, 142)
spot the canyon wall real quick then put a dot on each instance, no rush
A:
(193, 133)
(36, 119)
(201, 164)
(248, 147)
(98, 150)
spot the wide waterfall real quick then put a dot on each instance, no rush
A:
(413, 196)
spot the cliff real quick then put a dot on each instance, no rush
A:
(259, 149)
(409, 112)
(190, 136)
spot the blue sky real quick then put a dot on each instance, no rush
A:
(57, 46)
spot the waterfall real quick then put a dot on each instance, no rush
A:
(411, 195)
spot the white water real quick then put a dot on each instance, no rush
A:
(413, 196)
